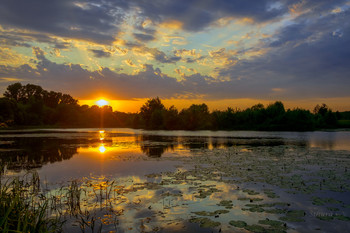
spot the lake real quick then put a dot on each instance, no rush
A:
(186, 181)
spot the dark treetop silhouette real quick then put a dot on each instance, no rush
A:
(31, 105)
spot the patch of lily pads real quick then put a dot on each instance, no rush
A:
(207, 213)
(205, 222)
(250, 199)
(322, 201)
(268, 226)
(238, 223)
(294, 216)
(332, 217)
(226, 203)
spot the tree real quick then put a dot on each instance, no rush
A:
(8, 110)
(152, 113)
(13, 91)
(171, 118)
(196, 117)
(276, 109)
(52, 99)
(324, 116)
(322, 110)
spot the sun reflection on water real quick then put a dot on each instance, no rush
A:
(102, 135)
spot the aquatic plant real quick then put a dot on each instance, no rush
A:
(23, 210)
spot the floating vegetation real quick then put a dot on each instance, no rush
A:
(203, 193)
(226, 203)
(250, 192)
(294, 216)
(269, 193)
(325, 217)
(250, 199)
(323, 201)
(255, 228)
(215, 213)
(342, 217)
(205, 222)
(238, 223)
(272, 223)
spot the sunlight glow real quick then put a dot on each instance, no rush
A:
(102, 149)
(102, 135)
(101, 102)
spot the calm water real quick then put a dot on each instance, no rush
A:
(197, 170)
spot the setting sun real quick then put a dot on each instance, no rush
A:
(102, 149)
(101, 102)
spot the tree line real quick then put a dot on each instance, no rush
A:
(31, 105)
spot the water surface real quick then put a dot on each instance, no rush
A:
(191, 181)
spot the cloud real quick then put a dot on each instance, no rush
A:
(69, 78)
(129, 63)
(189, 56)
(143, 37)
(100, 21)
(100, 53)
(20, 38)
(195, 15)
(307, 59)
(91, 21)
(155, 53)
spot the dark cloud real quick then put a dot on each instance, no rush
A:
(143, 37)
(100, 53)
(197, 15)
(308, 59)
(23, 39)
(10, 40)
(158, 55)
(99, 20)
(91, 20)
(192, 59)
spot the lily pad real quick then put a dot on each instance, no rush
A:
(342, 217)
(205, 222)
(255, 228)
(207, 213)
(325, 217)
(273, 223)
(269, 193)
(294, 216)
(250, 192)
(238, 223)
(226, 203)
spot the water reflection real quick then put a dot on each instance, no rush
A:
(24, 151)
(29, 153)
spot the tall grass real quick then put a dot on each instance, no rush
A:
(25, 206)
(23, 209)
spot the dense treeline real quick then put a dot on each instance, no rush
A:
(31, 105)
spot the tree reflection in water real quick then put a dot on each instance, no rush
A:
(25, 153)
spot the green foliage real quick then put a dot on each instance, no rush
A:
(196, 117)
(21, 214)
(152, 113)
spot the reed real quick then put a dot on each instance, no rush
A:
(22, 211)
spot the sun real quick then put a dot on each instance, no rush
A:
(101, 102)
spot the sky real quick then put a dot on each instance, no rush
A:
(226, 53)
